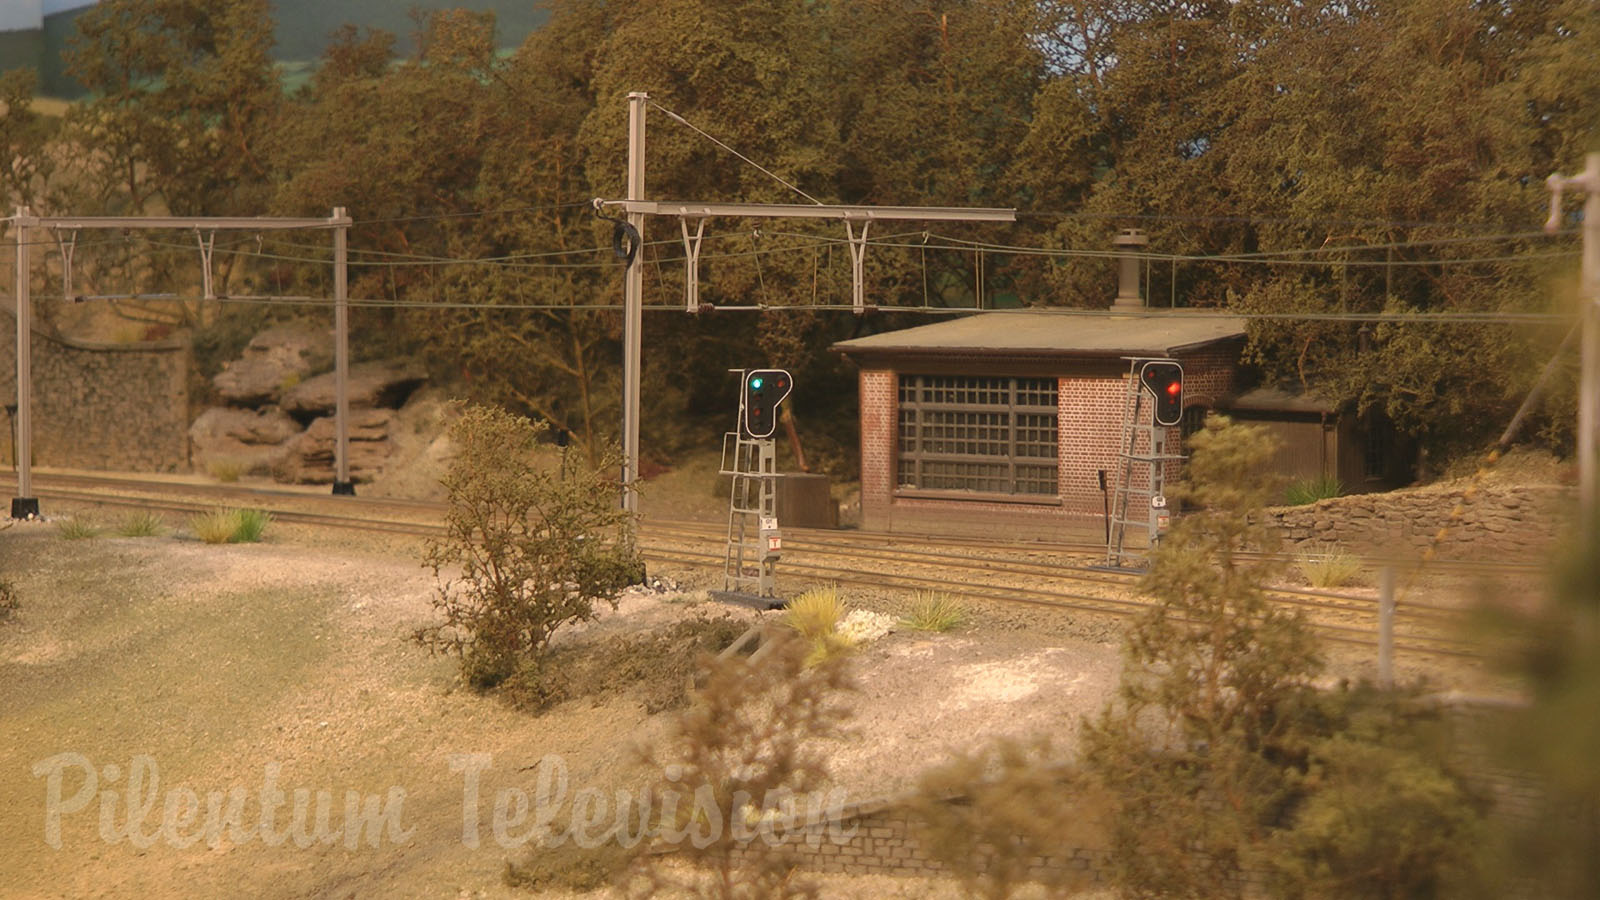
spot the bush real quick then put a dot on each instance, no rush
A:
(753, 743)
(934, 612)
(990, 815)
(657, 666)
(1221, 757)
(534, 548)
(143, 523)
(1309, 490)
(76, 529)
(1329, 567)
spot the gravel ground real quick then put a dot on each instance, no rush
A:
(218, 662)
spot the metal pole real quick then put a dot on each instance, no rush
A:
(1589, 396)
(632, 303)
(1589, 317)
(342, 485)
(24, 505)
(1386, 628)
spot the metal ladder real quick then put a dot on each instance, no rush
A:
(1139, 501)
(753, 541)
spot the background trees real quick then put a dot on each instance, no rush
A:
(1382, 155)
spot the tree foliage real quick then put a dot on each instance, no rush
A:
(1390, 156)
(1226, 764)
(1554, 850)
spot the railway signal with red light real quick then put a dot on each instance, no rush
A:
(1164, 381)
(764, 389)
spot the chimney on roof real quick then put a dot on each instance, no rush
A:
(1130, 242)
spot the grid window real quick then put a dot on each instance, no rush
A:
(986, 435)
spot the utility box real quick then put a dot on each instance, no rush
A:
(806, 501)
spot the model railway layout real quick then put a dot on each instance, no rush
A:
(1043, 574)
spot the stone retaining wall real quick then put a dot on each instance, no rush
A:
(1496, 522)
(878, 839)
(101, 406)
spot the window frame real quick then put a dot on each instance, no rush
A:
(916, 385)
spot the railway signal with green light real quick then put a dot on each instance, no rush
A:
(764, 389)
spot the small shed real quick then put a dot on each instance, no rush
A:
(1004, 422)
(1319, 440)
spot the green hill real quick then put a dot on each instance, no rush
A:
(303, 27)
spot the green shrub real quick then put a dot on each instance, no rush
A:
(934, 612)
(1328, 566)
(215, 527)
(526, 549)
(252, 524)
(76, 529)
(142, 523)
(1309, 490)
(225, 470)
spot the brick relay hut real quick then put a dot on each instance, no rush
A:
(1001, 422)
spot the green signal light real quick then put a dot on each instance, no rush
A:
(755, 384)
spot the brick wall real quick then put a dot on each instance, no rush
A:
(1090, 407)
(879, 398)
(879, 839)
(102, 406)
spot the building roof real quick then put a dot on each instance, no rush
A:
(1041, 334)
(1271, 399)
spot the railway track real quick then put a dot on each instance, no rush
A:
(1054, 574)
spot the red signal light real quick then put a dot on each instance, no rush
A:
(1175, 388)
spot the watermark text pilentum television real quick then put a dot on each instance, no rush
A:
(515, 806)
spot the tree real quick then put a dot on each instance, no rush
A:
(182, 96)
(1384, 145)
(1224, 763)
(526, 550)
(24, 137)
(1554, 849)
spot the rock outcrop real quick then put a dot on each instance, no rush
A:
(274, 361)
(309, 457)
(371, 385)
(253, 439)
(282, 382)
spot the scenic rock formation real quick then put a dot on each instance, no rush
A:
(279, 412)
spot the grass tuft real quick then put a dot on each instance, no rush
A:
(1329, 567)
(934, 612)
(230, 526)
(226, 470)
(215, 527)
(76, 529)
(1309, 490)
(816, 615)
(142, 523)
(252, 524)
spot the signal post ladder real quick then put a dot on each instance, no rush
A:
(1162, 379)
(754, 541)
